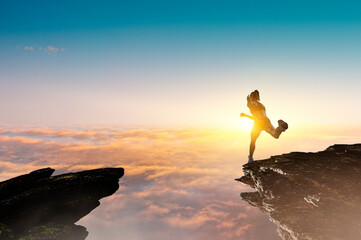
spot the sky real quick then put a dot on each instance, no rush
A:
(157, 87)
(179, 63)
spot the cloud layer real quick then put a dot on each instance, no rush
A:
(178, 183)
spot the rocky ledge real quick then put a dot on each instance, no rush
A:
(41, 207)
(309, 195)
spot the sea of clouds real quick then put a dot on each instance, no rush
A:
(178, 183)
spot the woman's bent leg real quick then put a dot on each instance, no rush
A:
(275, 132)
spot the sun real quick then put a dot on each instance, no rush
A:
(246, 124)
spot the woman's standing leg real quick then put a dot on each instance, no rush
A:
(254, 135)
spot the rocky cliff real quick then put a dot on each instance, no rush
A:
(39, 206)
(309, 195)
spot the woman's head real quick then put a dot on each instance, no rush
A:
(254, 95)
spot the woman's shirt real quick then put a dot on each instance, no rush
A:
(257, 109)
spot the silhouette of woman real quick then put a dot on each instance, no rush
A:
(261, 122)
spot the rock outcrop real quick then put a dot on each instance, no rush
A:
(309, 195)
(39, 206)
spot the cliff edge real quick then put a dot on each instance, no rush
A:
(39, 206)
(309, 195)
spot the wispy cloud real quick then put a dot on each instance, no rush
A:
(50, 50)
(27, 48)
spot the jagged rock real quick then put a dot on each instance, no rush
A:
(309, 195)
(55, 231)
(6, 232)
(38, 206)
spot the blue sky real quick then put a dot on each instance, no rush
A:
(180, 63)
(54, 16)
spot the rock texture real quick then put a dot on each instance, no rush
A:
(39, 206)
(309, 195)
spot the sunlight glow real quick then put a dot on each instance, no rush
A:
(246, 124)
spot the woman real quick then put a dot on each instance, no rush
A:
(261, 122)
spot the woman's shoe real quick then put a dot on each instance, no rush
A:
(282, 125)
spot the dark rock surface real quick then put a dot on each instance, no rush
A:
(309, 195)
(39, 206)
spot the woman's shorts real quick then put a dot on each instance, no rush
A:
(263, 124)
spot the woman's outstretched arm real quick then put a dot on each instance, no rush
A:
(248, 116)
